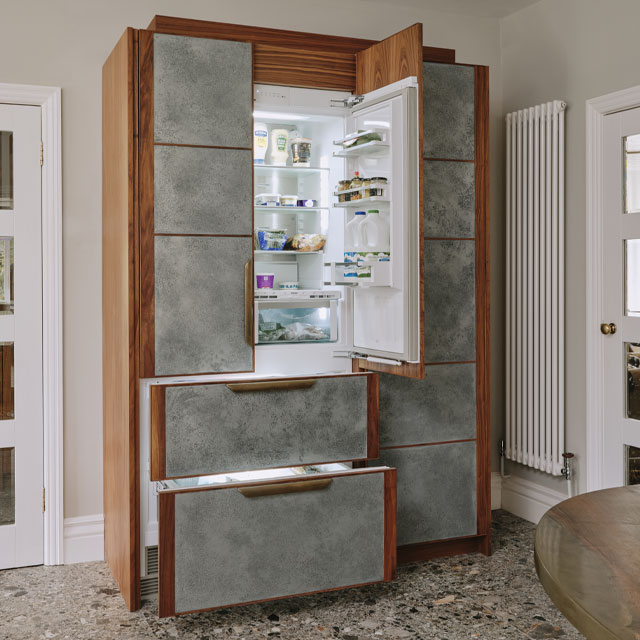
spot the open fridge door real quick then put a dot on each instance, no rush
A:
(388, 306)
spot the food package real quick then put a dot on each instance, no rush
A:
(306, 242)
(269, 239)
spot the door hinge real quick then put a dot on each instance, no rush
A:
(41, 153)
(349, 102)
(44, 502)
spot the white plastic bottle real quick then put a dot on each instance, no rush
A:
(375, 229)
(260, 142)
(353, 240)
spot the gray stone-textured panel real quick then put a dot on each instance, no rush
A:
(231, 549)
(439, 408)
(202, 91)
(449, 199)
(436, 491)
(203, 190)
(199, 305)
(448, 111)
(449, 299)
(211, 429)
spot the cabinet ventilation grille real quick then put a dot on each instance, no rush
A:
(149, 585)
(151, 560)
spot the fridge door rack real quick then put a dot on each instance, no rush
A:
(379, 274)
(357, 203)
(373, 147)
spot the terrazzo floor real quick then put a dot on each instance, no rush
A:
(447, 599)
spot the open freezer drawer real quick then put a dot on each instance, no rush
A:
(303, 531)
(262, 422)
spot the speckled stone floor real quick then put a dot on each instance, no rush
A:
(449, 599)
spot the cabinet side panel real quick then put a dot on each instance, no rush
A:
(483, 374)
(118, 304)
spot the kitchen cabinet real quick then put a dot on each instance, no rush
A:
(225, 398)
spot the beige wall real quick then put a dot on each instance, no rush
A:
(571, 50)
(64, 43)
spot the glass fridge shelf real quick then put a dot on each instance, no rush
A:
(285, 253)
(283, 209)
(269, 169)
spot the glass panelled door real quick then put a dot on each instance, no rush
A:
(21, 418)
(620, 314)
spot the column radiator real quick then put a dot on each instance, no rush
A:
(535, 287)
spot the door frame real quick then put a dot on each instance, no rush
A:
(49, 99)
(596, 110)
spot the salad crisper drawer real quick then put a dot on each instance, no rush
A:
(233, 544)
(199, 429)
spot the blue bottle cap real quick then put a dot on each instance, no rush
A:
(361, 213)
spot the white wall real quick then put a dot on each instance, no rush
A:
(572, 50)
(64, 43)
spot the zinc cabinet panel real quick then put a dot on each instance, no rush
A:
(233, 549)
(436, 491)
(200, 305)
(202, 91)
(439, 408)
(449, 199)
(449, 104)
(212, 428)
(198, 190)
(450, 305)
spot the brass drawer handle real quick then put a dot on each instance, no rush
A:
(284, 487)
(271, 385)
(248, 303)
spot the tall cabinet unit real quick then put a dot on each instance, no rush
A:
(296, 459)
(435, 431)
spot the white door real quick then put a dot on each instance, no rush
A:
(620, 314)
(21, 415)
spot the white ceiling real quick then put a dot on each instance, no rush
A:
(480, 8)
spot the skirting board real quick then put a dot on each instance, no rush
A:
(84, 539)
(527, 499)
(496, 490)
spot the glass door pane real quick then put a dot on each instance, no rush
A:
(7, 486)
(6, 170)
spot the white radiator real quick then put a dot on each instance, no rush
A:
(535, 287)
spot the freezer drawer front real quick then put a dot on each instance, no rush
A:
(278, 422)
(231, 545)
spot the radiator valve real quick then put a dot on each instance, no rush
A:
(566, 470)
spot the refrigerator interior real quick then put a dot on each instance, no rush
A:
(360, 160)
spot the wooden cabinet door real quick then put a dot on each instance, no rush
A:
(389, 61)
(196, 208)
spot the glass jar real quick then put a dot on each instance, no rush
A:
(343, 185)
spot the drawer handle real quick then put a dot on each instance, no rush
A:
(248, 303)
(271, 385)
(284, 487)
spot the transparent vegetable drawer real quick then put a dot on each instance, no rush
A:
(296, 321)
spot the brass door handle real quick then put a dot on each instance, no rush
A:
(248, 303)
(608, 328)
(271, 385)
(284, 487)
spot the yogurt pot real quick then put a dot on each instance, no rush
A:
(265, 280)
(289, 201)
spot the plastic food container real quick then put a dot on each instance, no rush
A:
(307, 203)
(268, 200)
(266, 239)
(265, 280)
(289, 201)
(289, 285)
(301, 151)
